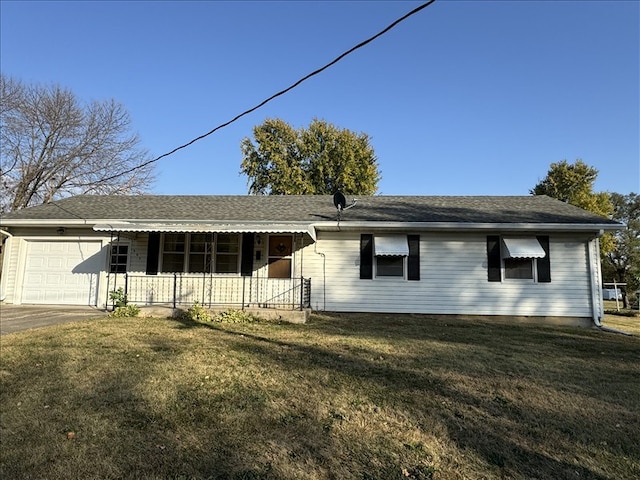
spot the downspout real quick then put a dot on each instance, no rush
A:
(597, 308)
(313, 234)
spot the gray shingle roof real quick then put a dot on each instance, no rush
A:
(308, 208)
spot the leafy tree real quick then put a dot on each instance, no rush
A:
(54, 145)
(573, 183)
(319, 160)
(622, 264)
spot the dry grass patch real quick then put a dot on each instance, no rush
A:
(344, 396)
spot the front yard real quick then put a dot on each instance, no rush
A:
(344, 397)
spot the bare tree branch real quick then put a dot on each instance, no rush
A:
(55, 146)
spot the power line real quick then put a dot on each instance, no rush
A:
(281, 92)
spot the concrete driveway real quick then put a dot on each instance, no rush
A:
(15, 318)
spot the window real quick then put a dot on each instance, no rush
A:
(391, 255)
(518, 268)
(518, 258)
(173, 250)
(119, 256)
(226, 253)
(192, 253)
(390, 266)
(199, 253)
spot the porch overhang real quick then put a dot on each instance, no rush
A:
(200, 227)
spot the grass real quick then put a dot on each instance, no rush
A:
(342, 397)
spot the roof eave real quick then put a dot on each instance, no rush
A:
(467, 226)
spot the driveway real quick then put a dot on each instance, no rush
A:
(15, 318)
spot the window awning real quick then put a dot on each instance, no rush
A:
(391, 245)
(199, 228)
(522, 248)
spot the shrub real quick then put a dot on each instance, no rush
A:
(118, 297)
(130, 310)
(235, 316)
(198, 313)
(122, 307)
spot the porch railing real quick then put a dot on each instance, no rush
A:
(179, 289)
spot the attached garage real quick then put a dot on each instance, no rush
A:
(62, 272)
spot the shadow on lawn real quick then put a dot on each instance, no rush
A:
(488, 425)
(174, 444)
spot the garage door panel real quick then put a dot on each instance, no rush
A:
(58, 247)
(62, 272)
(55, 263)
(35, 262)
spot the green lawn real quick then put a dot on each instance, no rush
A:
(342, 397)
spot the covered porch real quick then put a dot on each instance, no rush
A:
(216, 265)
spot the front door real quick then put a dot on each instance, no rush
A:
(280, 251)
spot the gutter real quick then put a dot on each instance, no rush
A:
(464, 226)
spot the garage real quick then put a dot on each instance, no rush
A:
(62, 272)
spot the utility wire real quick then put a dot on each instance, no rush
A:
(276, 95)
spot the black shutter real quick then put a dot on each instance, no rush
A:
(493, 258)
(153, 252)
(544, 264)
(413, 263)
(246, 262)
(366, 256)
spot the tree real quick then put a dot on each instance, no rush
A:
(319, 160)
(53, 146)
(573, 184)
(622, 264)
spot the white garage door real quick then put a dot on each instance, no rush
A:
(62, 273)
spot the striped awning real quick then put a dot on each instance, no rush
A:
(522, 248)
(199, 228)
(391, 245)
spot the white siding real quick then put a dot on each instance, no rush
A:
(10, 268)
(453, 269)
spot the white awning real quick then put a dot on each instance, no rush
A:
(199, 228)
(391, 245)
(522, 248)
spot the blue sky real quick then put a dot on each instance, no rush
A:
(463, 98)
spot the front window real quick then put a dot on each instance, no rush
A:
(226, 253)
(173, 251)
(199, 253)
(192, 253)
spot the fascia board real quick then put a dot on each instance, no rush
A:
(464, 227)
